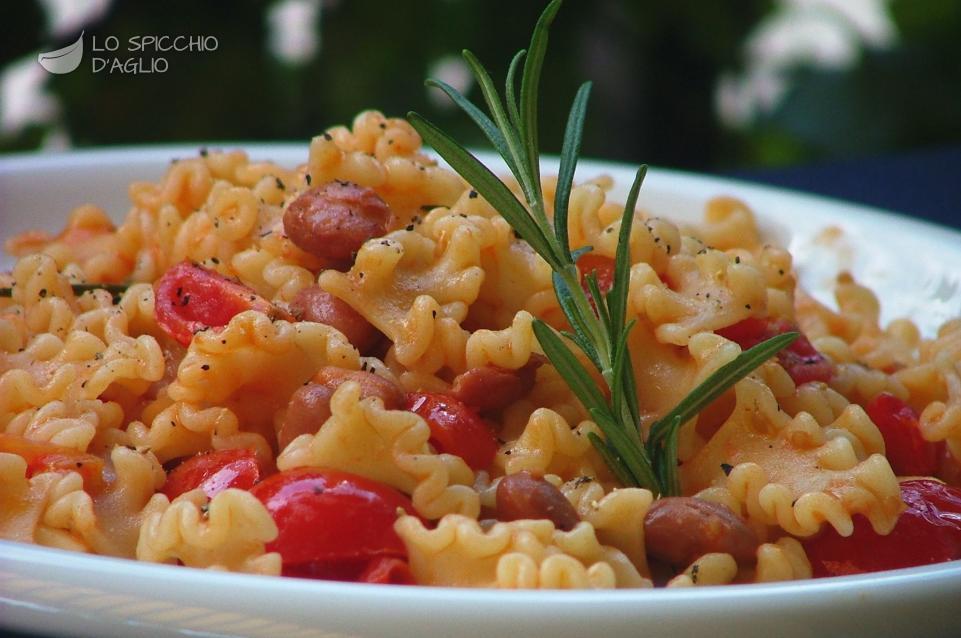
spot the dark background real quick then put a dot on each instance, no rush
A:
(656, 67)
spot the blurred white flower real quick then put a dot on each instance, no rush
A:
(821, 34)
(453, 70)
(23, 100)
(66, 17)
(294, 32)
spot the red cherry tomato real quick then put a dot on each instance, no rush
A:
(929, 531)
(602, 267)
(455, 428)
(801, 359)
(907, 451)
(47, 457)
(213, 472)
(332, 524)
(190, 298)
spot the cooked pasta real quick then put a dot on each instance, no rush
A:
(112, 411)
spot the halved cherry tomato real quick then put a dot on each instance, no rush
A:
(907, 451)
(47, 457)
(190, 298)
(332, 524)
(929, 531)
(213, 472)
(801, 359)
(455, 428)
(602, 267)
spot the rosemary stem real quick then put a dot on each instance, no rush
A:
(598, 331)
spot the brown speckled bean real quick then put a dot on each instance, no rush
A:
(680, 529)
(522, 496)
(332, 221)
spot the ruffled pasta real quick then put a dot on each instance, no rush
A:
(793, 473)
(516, 555)
(227, 532)
(388, 446)
(452, 288)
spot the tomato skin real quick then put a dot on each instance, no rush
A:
(213, 472)
(331, 524)
(801, 359)
(48, 457)
(929, 531)
(382, 570)
(455, 428)
(190, 299)
(603, 269)
(387, 571)
(907, 451)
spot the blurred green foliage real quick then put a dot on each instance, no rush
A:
(906, 97)
(654, 65)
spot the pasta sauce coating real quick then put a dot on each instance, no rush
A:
(365, 319)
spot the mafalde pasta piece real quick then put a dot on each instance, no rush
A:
(103, 522)
(173, 430)
(185, 186)
(697, 293)
(791, 472)
(617, 515)
(941, 420)
(509, 348)
(234, 381)
(728, 223)
(819, 400)
(515, 279)
(710, 569)
(63, 385)
(549, 445)
(74, 423)
(382, 153)
(23, 500)
(275, 277)
(525, 554)
(390, 446)
(88, 240)
(411, 287)
(592, 220)
(227, 532)
(782, 560)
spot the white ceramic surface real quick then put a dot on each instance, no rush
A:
(915, 267)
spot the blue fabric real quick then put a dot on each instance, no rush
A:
(922, 184)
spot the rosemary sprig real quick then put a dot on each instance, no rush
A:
(599, 326)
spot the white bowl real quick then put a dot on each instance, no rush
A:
(914, 267)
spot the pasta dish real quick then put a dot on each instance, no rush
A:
(350, 370)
